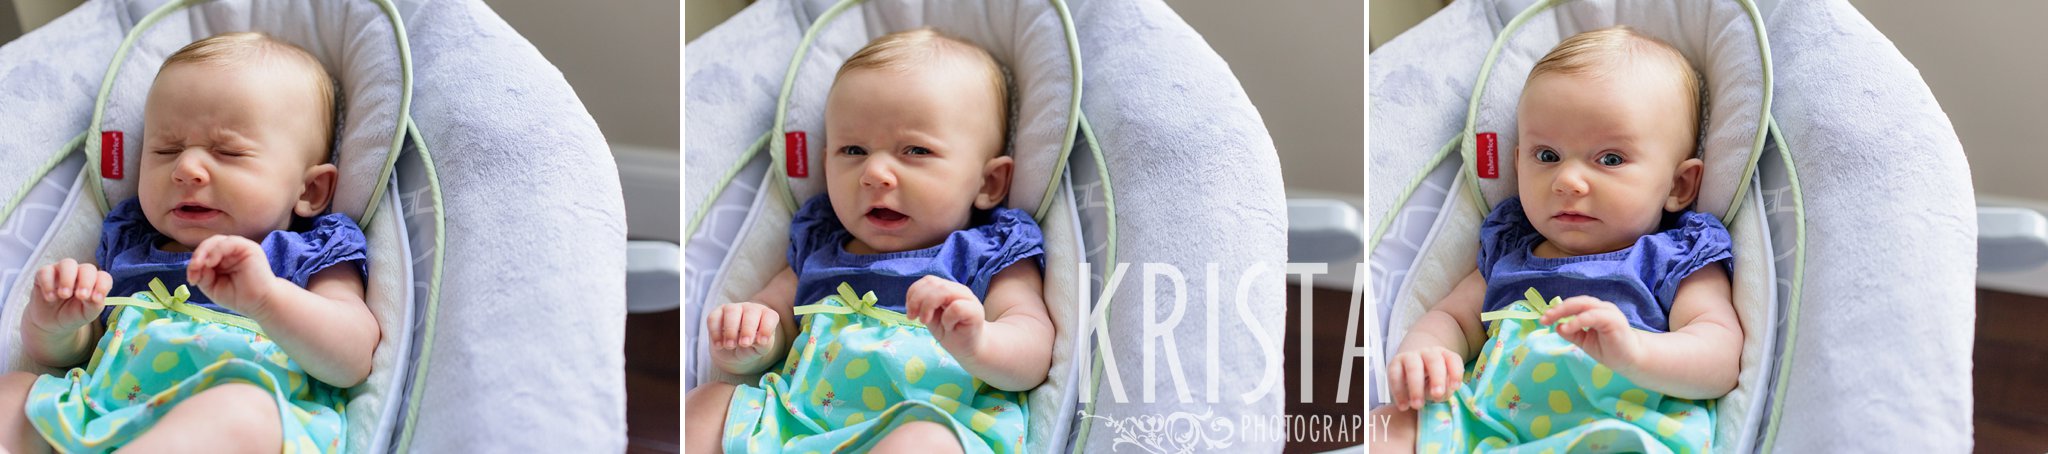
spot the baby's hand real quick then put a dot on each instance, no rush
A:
(952, 312)
(741, 332)
(1598, 328)
(1437, 369)
(67, 295)
(233, 271)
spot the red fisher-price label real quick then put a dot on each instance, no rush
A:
(796, 155)
(1489, 156)
(110, 155)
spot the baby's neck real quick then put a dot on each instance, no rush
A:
(1549, 250)
(170, 245)
(856, 246)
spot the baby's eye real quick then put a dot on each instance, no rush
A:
(1546, 155)
(1611, 160)
(853, 151)
(918, 151)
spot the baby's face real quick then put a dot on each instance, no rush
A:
(1599, 159)
(231, 150)
(911, 153)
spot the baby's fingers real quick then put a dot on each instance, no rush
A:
(934, 307)
(711, 326)
(1570, 307)
(913, 299)
(46, 282)
(1605, 321)
(1412, 367)
(87, 280)
(67, 278)
(1449, 373)
(1433, 369)
(929, 300)
(1397, 384)
(720, 324)
(765, 330)
(204, 254)
(1586, 314)
(1455, 369)
(102, 287)
(750, 322)
(234, 252)
(961, 316)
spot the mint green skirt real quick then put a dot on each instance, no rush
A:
(152, 359)
(1531, 391)
(851, 378)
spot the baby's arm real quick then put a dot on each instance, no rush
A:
(326, 326)
(740, 342)
(1699, 358)
(1433, 354)
(1009, 347)
(57, 328)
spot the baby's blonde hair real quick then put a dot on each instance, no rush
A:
(1598, 51)
(230, 48)
(905, 49)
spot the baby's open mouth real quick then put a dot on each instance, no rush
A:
(194, 211)
(886, 217)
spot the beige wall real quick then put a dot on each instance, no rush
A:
(1987, 66)
(1302, 63)
(621, 56)
(30, 14)
(1391, 17)
(700, 15)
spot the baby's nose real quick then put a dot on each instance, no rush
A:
(190, 169)
(1569, 183)
(878, 175)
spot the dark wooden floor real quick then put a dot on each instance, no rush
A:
(2011, 373)
(1331, 306)
(654, 387)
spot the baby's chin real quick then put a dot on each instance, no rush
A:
(884, 245)
(1578, 243)
(182, 241)
(188, 238)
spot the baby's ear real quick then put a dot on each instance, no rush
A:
(1685, 185)
(995, 182)
(319, 191)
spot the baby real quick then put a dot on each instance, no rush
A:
(923, 321)
(1646, 334)
(233, 185)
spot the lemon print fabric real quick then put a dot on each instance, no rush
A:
(1534, 392)
(150, 360)
(859, 378)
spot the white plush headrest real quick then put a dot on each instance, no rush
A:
(1027, 36)
(355, 39)
(1721, 38)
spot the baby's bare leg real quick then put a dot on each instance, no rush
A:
(920, 436)
(1400, 430)
(704, 430)
(233, 411)
(16, 434)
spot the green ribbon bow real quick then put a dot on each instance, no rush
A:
(1532, 301)
(864, 305)
(159, 298)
